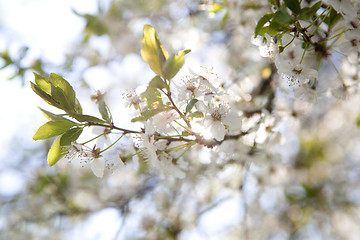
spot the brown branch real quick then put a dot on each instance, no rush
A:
(111, 126)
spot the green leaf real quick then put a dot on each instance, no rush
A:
(139, 119)
(46, 97)
(104, 110)
(55, 152)
(216, 7)
(86, 118)
(264, 19)
(173, 64)
(59, 95)
(78, 108)
(277, 27)
(152, 51)
(56, 91)
(185, 133)
(70, 136)
(293, 5)
(279, 23)
(52, 129)
(282, 18)
(152, 112)
(157, 82)
(196, 114)
(332, 18)
(42, 83)
(60, 82)
(62, 91)
(307, 12)
(53, 117)
(153, 98)
(269, 30)
(191, 105)
(224, 19)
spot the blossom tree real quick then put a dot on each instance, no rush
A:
(275, 136)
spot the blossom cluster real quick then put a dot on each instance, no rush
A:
(306, 56)
(199, 115)
(176, 114)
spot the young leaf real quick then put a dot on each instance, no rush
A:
(293, 5)
(152, 51)
(216, 7)
(78, 108)
(56, 91)
(153, 98)
(185, 133)
(139, 119)
(173, 64)
(196, 114)
(42, 83)
(52, 116)
(46, 97)
(59, 95)
(86, 118)
(52, 129)
(55, 152)
(104, 110)
(66, 88)
(271, 30)
(224, 19)
(282, 18)
(307, 12)
(191, 105)
(264, 19)
(157, 82)
(70, 136)
(333, 18)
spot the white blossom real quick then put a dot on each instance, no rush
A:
(268, 48)
(132, 98)
(344, 7)
(340, 92)
(98, 166)
(218, 119)
(87, 156)
(167, 168)
(297, 74)
(352, 42)
(146, 142)
(195, 86)
(74, 151)
(161, 122)
(158, 158)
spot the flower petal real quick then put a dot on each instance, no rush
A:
(218, 130)
(98, 167)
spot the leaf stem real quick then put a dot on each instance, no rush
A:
(104, 133)
(313, 22)
(112, 143)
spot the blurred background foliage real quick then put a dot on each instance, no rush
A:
(306, 189)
